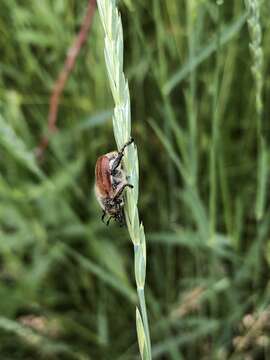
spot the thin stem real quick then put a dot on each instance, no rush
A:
(64, 74)
(192, 104)
(215, 137)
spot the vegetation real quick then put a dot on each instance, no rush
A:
(198, 75)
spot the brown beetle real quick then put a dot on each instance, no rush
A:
(111, 181)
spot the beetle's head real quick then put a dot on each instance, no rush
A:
(114, 208)
(120, 217)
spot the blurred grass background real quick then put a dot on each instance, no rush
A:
(66, 280)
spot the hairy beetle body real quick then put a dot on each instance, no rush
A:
(110, 183)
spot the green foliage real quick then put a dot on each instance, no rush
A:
(197, 100)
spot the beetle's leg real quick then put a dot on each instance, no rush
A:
(108, 221)
(122, 219)
(130, 141)
(120, 191)
(119, 157)
(103, 216)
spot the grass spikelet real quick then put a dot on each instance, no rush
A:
(253, 7)
(113, 53)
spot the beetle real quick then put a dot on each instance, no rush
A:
(110, 183)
